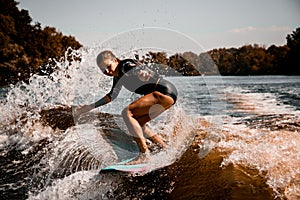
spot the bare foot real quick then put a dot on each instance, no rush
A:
(158, 140)
(142, 158)
(155, 148)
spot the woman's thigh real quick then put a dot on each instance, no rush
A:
(149, 106)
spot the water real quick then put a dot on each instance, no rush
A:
(255, 120)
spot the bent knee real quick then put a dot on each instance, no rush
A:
(126, 112)
(164, 100)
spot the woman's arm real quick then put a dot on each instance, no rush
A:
(114, 92)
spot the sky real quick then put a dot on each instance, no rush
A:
(210, 23)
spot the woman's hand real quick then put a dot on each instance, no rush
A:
(81, 110)
(144, 75)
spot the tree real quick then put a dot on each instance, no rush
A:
(25, 47)
(293, 58)
(278, 58)
(183, 66)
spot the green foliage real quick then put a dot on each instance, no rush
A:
(180, 63)
(246, 60)
(26, 47)
(258, 60)
(293, 55)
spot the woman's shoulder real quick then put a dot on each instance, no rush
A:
(128, 64)
(129, 61)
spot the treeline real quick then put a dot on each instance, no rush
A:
(180, 65)
(26, 47)
(246, 60)
(259, 60)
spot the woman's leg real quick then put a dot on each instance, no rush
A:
(153, 137)
(141, 111)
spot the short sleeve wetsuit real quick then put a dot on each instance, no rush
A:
(128, 76)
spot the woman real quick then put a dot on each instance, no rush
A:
(158, 96)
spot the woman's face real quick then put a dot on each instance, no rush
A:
(108, 67)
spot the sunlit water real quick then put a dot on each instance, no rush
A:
(255, 118)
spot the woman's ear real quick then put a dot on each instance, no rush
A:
(115, 60)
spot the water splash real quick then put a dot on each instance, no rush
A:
(266, 140)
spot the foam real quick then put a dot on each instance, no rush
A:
(274, 153)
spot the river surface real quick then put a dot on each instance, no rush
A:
(254, 118)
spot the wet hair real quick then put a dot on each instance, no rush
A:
(105, 55)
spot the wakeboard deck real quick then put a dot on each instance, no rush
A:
(126, 150)
(123, 167)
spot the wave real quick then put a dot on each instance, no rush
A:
(245, 141)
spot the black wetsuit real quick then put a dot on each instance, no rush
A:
(128, 70)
